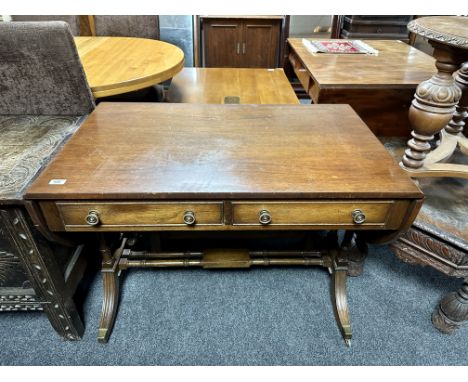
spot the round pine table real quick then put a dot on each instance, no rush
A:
(116, 65)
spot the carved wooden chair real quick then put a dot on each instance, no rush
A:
(439, 238)
(44, 98)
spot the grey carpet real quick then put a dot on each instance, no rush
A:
(262, 316)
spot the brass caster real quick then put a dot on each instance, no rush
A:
(348, 342)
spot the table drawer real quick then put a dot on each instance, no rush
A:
(314, 213)
(139, 214)
(301, 72)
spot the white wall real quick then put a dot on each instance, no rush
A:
(303, 25)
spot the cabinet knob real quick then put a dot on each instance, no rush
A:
(358, 216)
(264, 217)
(189, 217)
(92, 218)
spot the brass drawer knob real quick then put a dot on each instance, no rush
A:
(358, 217)
(92, 218)
(189, 217)
(264, 217)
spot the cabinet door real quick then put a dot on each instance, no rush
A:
(260, 43)
(222, 43)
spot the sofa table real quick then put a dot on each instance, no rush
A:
(224, 169)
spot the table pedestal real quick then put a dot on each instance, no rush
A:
(440, 103)
(334, 258)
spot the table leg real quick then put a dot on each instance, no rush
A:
(340, 299)
(110, 277)
(356, 250)
(452, 310)
(431, 110)
(452, 135)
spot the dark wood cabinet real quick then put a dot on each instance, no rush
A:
(371, 27)
(248, 42)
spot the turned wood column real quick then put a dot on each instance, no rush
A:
(457, 124)
(436, 99)
(433, 105)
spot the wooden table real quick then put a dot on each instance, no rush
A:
(379, 88)
(192, 168)
(116, 65)
(231, 85)
(440, 103)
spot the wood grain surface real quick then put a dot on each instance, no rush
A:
(116, 65)
(190, 151)
(213, 85)
(397, 65)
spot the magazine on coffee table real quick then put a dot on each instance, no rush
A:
(338, 46)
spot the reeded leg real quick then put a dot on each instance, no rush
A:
(432, 108)
(110, 278)
(109, 304)
(452, 310)
(340, 300)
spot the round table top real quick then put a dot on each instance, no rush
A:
(450, 30)
(116, 65)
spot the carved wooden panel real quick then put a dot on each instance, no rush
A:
(44, 273)
(418, 247)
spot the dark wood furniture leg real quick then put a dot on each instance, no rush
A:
(44, 273)
(340, 299)
(452, 310)
(110, 277)
(356, 250)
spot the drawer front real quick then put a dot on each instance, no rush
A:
(301, 72)
(314, 214)
(140, 214)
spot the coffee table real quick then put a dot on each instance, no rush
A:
(117, 65)
(379, 88)
(229, 169)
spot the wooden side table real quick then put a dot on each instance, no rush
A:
(197, 168)
(441, 103)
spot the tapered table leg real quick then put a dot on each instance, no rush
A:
(109, 304)
(110, 277)
(340, 299)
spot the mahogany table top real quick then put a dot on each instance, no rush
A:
(397, 65)
(177, 151)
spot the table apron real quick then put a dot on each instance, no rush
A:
(108, 216)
